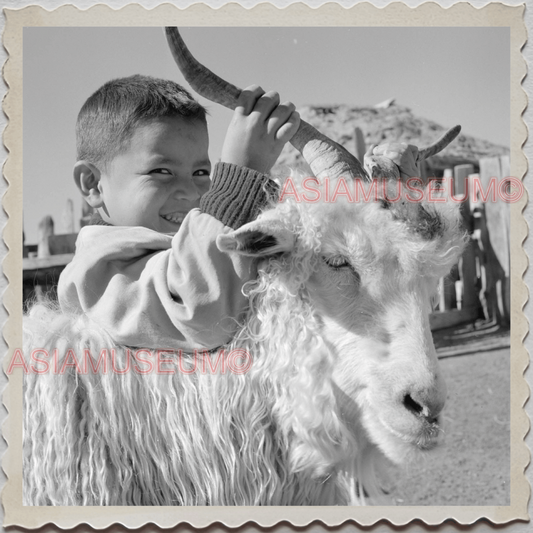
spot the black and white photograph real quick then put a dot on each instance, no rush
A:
(267, 266)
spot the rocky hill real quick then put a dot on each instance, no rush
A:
(389, 122)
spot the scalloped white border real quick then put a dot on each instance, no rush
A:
(460, 14)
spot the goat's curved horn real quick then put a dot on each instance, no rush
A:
(440, 144)
(325, 157)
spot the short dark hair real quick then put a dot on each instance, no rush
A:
(108, 118)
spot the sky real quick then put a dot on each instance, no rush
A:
(448, 75)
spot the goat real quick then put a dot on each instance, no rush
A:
(344, 374)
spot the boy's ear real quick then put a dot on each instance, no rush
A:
(87, 178)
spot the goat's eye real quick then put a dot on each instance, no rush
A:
(337, 262)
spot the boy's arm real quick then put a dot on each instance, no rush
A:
(237, 194)
(259, 129)
(240, 188)
(157, 291)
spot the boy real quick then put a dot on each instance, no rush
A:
(149, 271)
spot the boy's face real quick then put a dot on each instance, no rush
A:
(160, 177)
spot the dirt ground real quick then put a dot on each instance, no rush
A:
(472, 467)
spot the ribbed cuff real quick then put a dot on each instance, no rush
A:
(237, 194)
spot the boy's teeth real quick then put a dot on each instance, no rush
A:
(178, 218)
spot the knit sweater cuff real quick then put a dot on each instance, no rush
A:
(237, 194)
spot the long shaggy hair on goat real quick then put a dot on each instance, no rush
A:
(268, 436)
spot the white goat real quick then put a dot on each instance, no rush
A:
(344, 370)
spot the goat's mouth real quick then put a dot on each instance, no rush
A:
(427, 437)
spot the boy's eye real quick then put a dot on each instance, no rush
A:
(202, 172)
(164, 171)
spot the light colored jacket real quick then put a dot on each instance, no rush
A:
(152, 290)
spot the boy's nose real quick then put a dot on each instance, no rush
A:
(187, 190)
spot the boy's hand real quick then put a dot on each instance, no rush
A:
(403, 155)
(259, 129)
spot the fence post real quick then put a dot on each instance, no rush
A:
(493, 170)
(470, 298)
(505, 166)
(68, 217)
(46, 229)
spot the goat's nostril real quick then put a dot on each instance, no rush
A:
(411, 405)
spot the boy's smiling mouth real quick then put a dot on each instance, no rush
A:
(176, 218)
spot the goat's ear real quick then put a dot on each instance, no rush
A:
(258, 239)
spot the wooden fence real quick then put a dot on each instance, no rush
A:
(478, 287)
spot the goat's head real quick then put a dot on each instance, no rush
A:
(376, 265)
(375, 268)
